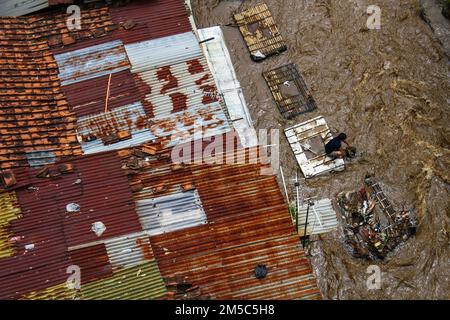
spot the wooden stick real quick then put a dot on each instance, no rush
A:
(107, 93)
(284, 184)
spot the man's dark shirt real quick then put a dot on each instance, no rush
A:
(333, 145)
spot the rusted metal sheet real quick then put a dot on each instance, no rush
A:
(91, 62)
(129, 250)
(34, 115)
(248, 224)
(208, 120)
(93, 262)
(60, 238)
(175, 72)
(88, 97)
(144, 20)
(290, 91)
(260, 32)
(102, 131)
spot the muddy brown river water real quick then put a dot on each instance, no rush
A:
(389, 90)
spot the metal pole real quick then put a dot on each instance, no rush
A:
(297, 185)
(284, 184)
(306, 224)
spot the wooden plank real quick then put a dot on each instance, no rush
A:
(260, 32)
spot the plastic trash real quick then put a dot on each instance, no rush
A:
(98, 228)
(73, 207)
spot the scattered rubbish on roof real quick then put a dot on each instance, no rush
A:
(372, 226)
(260, 271)
(260, 32)
(98, 227)
(318, 216)
(73, 207)
(290, 91)
(228, 85)
(307, 141)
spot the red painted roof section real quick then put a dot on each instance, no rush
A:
(88, 97)
(150, 19)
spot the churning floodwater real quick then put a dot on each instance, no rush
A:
(389, 90)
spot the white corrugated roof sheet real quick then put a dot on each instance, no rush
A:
(92, 62)
(321, 218)
(228, 85)
(152, 54)
(171, 212)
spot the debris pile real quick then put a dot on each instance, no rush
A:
(372, 226)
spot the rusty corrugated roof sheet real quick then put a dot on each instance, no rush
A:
(34, 114)
(40, 238)
(247, 224)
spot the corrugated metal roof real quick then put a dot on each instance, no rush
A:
(150, 19)
(321, 218)
(175, 71)
(312, 161)
(88, 97)
(211, 119)
(130, 118)
(248, 224)
(141, 282)
(228, 85)
(91, 62)
(121, 257)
